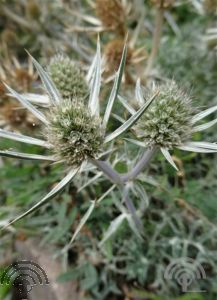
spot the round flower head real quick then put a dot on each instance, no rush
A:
(167, 123)
(68, 77)
(74, 133)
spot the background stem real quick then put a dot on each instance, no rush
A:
(156, 39)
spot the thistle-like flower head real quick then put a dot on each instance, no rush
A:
(75, 135)
(170, 122)
(167, 123)
(68, 77)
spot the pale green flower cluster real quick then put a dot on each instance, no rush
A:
(74, 134)
(68, 78)
(167, 122)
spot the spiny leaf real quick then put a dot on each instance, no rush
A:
(95, 84)
(130, 122)
(48, 82)
(28, 105)
(23, 138)
(115, 88)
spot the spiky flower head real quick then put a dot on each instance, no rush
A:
(112, 14)
(167, 123)
(68, 77)
(73, 132)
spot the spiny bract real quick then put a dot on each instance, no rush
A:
(74, 133)
(68, 77)
(167, 123)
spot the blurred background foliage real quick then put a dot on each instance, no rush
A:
(179, 210)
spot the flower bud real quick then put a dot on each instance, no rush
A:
(74, 133)
(167, 122)
(68, 78)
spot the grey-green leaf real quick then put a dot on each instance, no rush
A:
(28, 105)
(115, 88)
(138, 93)
(124, 102)
(82, 222)
(48, 82)
(27, 156)
(23, 138)
(204, 114)
(115, 224)
(95, 84)
(204, 126)
(168, 157)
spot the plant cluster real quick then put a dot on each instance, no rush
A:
(111, 123)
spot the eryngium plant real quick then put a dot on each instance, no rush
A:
(76, 133)
(68, 77)
(171, 121)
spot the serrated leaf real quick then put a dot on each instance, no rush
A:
(115, 88)
(130, 122)
(56, 190)
(28, 105)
